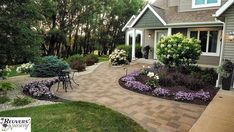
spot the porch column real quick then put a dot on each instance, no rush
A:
(127, 38)
(169, 31)
(133, 44)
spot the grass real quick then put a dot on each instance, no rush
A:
(21, 101)
(103, 58)
(75, 116)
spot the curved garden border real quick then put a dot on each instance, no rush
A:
(150, 93)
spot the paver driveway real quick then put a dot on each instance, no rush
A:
(154, 114)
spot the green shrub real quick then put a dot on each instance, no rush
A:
(209, 76)
(21, 101)
(128, 49)
(178, 50)
(6, 86)
(78, 65)
(118, 57)
(73, 58)
(4, 99)
(48, 66)
(91, 59)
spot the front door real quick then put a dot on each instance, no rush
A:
(158, 36)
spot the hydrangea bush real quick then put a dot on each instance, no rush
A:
(25, 68)
(178, 50)
(40, 89)
(118, 57)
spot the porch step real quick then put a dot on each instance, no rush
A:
(219, 114)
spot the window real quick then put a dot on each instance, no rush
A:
(205, 3)
(210, 43)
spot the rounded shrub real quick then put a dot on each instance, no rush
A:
(78, 65)
(91, 59)
(73, 58)
(48, 66)
(178, 50)
(118, 57)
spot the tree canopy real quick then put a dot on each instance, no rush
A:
(61, 27)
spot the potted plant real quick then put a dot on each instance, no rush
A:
(226, 73)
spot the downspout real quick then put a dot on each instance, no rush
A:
(221, 52)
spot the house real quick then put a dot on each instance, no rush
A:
(210, 21)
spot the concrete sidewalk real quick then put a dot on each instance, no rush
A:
(218, 116)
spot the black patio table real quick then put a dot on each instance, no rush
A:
(66, 79)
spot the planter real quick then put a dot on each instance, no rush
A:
(227, 82)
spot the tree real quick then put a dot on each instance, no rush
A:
(19, 38)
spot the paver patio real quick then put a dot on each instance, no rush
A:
(154, 114)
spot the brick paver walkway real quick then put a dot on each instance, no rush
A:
(154, 114)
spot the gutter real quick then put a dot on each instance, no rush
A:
(222, 48)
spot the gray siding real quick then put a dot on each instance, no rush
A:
(148, 19)
(208, 60)
(186, 5)
(184, 31)
(228, 52)
(149, 41)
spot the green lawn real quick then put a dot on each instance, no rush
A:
(75, 116)
(103, 58)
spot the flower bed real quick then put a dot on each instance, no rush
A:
(41, 89)
(171, 84)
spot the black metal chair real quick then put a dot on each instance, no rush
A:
(64, 77)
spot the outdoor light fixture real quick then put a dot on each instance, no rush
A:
(149, 35)
(231, 35)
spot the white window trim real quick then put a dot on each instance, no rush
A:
(217, 54)
(206, 4)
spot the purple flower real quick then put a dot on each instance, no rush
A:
(128, 78)
(184, 96)
(161, 92)
(205, 96)
(137, 86)
(40, 88)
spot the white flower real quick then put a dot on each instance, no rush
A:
(162, 45)
(150, 74)
(156, 77)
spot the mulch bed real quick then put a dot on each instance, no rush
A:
(213, 91)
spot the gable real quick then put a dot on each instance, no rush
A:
(148, 19)
(229, 11)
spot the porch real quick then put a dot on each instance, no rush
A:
(210, 37)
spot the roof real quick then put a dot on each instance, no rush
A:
(128, 24)
(148, 6)
(171, 15)
(222, 9)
